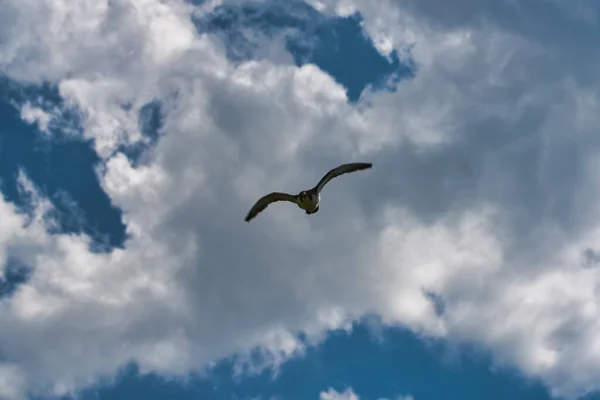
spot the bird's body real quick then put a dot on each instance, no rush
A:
(308, 200)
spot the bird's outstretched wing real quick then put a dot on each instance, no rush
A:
(264, 201)
(342, 169)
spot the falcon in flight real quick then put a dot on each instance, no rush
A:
(308, 200)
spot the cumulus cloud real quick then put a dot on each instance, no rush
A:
(484, 192)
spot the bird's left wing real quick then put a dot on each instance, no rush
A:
(342, 169)
(264, 201)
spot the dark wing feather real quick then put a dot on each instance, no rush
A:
(264, 201)
(342, 169)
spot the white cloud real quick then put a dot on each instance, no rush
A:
(36, 115)
(331, 394)
(477, 194)
(348, 394)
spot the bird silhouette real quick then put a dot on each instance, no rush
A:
(308, 200)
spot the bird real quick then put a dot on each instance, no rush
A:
(308, 200)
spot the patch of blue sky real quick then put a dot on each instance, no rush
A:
(59, 164)
(375, 362)
(15, 273)
(337, 45)
(150, 123)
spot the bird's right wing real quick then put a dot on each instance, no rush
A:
(264, 201)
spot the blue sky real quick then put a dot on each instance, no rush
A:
(373, 364)
(135, 135)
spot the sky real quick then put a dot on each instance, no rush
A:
(135, 135)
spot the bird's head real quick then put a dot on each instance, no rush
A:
(303, 194)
